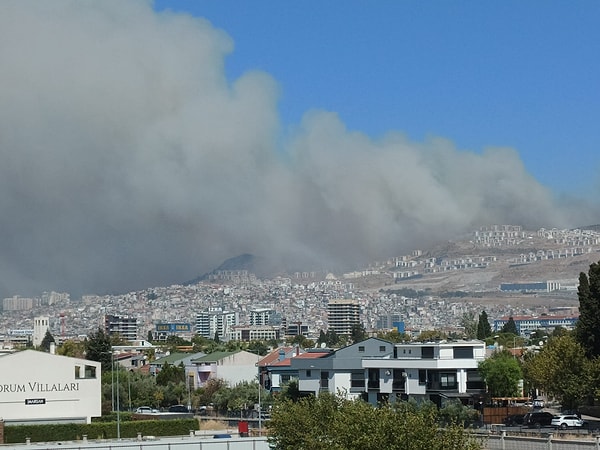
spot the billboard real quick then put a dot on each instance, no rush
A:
(173, 327)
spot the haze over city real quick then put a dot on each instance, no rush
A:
(139, 150)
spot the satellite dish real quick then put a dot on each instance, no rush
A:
(323, 345)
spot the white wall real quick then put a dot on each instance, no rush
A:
(40, 387)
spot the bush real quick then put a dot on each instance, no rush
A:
(97, 430)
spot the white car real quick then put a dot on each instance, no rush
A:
(568, 421)
(146, 410)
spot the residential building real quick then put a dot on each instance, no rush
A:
(275, 369)
(325, 370)
(261, 316)
(342, 315)
(377, 371)
(432, 371)
(232, 367)
(124, 327)
(215, 322)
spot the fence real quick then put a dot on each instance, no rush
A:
(551, 442)
(173, 443)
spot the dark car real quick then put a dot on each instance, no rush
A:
(538, 419)
(514, 420)
(178, 409)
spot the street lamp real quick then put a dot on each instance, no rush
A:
(112, 379)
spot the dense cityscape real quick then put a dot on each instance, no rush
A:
(275, 308)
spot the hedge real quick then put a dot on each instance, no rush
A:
(97, 430)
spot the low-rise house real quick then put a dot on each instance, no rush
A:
(275, 369)
(232, 367)
(432, 371)
(340, 371)
(377, 371)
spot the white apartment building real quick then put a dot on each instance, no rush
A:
(215, 322)
(342, 315)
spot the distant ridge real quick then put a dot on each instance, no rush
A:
(246, 261)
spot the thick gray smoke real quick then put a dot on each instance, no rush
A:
(128, 160)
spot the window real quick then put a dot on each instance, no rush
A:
(382, 348)
(422, 376)
(474, 380)
(448, 381)
(90, 372)
(324, 379)
(357, 380)
(361, 348)
(373, 378)
(308, 373)
(427, 352)
(399, 380)
(463, 352)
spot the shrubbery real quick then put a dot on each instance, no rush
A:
(97, 430)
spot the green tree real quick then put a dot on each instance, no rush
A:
(510, 327)
(484, 330)
(393, 336)
(358, 333)
(330, 422)
(502, 374)
(48, 339)
(561, 370)
(587, 329)
(170, 374)
(98, 347)
(469, 324)
(432, 335)
(72, 349)
(258, 347)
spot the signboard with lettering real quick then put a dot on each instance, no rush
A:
(174, 327)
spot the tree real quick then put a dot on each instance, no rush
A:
(432, 335)
(72, 349)
(587, 329)
(469, 324)
(48, 339)
(393, 336)
(561, 370)
(510, 327)
(332, 422)
(98, 347)
(358, 333)
(484, 330)
(170, 374)
(502, 374)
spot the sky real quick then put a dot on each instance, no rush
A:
(144, 143)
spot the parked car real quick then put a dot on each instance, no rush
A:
(178, 409)
(145, 410)
(514, 420)
(538, 419)
(568, 421)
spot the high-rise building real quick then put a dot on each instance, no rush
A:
(342, 314)
(261, 316)
(122, 326)
(215, 322)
